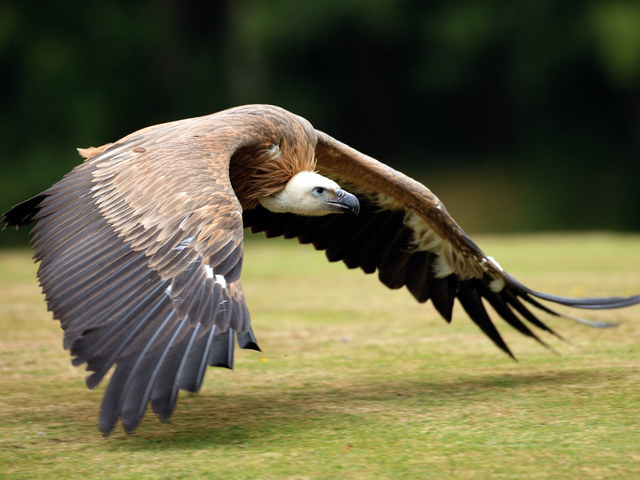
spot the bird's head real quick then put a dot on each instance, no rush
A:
(311, 195)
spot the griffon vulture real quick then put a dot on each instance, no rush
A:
(141, 246)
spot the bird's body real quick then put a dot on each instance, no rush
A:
(141, 246)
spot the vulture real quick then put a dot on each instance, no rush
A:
(140, 247)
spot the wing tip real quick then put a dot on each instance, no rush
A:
(248, 341)
(23, 213)
(594, 303)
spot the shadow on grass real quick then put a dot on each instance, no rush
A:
(209, 419)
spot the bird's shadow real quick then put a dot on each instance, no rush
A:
(207, 420)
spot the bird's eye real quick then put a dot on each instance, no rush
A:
(319, 191)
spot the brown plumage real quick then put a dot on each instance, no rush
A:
(140, 247)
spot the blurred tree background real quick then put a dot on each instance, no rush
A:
(521, 115)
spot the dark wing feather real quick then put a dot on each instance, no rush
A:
(439, 260)
(472, 304)
(141, 252)
(404, 232)
(165, 389)
(23, 213)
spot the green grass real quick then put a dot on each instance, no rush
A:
(355, 381)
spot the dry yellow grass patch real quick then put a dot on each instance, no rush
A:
(354, 381)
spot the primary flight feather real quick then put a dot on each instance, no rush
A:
(141, 246)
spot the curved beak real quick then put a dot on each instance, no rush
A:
(346, 202)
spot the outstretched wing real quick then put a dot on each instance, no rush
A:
(405, 233)
(140, 252)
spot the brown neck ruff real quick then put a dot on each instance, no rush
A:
(264, 169)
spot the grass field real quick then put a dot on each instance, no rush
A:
(355, 381)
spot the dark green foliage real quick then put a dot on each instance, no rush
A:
(544, 92)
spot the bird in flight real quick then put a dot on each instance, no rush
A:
(141, 246)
